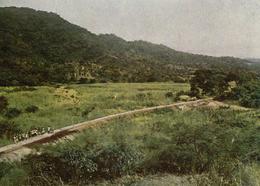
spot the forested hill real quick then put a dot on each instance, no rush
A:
(38, 47)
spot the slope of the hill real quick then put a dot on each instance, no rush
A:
(38, 47)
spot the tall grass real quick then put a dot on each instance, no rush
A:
(215, 147)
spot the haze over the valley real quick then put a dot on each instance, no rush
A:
(211, 27)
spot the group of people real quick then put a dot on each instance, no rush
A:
(32, 133)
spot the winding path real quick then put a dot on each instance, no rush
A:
(62, 132)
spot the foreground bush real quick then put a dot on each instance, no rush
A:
(8, 129)
(80, 166)
(216, 145)
(31, 109)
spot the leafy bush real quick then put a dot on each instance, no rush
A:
(8, 129)
(87, 111)
(116, 161)
(3, 103)
(220, 145)
(142, 96)
(44, 169)
(80, 166)
(12, 113)
(31, 109)
(5, 167)
(86, 81)
(248, 94)
(169, 95)
(211, 82)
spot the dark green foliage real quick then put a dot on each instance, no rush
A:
(241, 77)
(80, 166)
(4, 168)
(248, 94)
(142, 96)
(44, 169)
(80, 163)
(31, 109)
(216, 83)
(8, 129)
(3, 103)
(12, 113)
(87, 111)
(86, 81)
(218, 145)
(37, 47)
(211, 82)
(116, 161)
(169, 95)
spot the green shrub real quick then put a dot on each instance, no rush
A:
(3, 103)
(31, 109)
(116, 161)
(87, 110)
(4, 168)
(45, 169)
(169, 95)
(143, 96)
(86, 81)
(12, 113)
(220, 144)
(82, 165)
(8, 129)
(248, 94)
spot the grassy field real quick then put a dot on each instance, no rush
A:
(74, 103)
(69, 104)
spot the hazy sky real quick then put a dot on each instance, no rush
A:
(213, 27)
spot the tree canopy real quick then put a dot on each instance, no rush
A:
(38, 47)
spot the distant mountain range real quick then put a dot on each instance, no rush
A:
(254, 60)
(38, 47)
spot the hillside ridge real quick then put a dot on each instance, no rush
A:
(38, 47)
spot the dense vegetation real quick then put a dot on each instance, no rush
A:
(241, 86)
(217, 147)
(37, 47)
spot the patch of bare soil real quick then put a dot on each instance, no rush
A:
(218, 104)
(17, 155)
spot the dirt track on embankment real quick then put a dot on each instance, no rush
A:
(62, 132)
